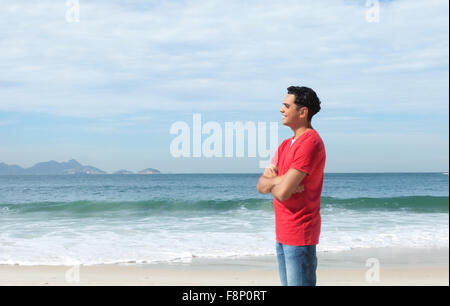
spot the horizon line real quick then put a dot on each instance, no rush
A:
(178, 173)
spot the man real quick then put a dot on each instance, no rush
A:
(295, 180)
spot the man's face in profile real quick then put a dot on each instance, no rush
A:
(290, 115)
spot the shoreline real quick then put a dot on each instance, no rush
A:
(396, 267)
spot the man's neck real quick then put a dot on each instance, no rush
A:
(300, 130)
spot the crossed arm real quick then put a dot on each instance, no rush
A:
(282, 187)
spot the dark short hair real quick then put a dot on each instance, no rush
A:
(305, 96)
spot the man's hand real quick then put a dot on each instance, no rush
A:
(271, 171)
(299, 189)
(269, 179)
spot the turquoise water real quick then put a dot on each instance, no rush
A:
(175, 217)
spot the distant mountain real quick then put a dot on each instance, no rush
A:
(11, 169)
(149, 171)
(51, 167)
(123, 172)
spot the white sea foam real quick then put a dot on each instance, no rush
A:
(229, 234)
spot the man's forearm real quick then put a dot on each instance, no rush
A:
(279, 193)
(265, 184)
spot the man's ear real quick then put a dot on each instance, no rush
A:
(304, 112)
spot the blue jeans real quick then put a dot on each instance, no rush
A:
(297, 264)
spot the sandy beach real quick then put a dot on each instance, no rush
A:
(116, 275)
(430, 268)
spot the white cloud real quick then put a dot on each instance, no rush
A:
(129, 56)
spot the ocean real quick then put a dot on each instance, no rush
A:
(123, 219)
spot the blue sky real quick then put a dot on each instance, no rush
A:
(106, 90)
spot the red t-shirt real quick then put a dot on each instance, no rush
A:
(297, 220)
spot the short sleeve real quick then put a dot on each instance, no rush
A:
(274, 160)
(306, 156)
